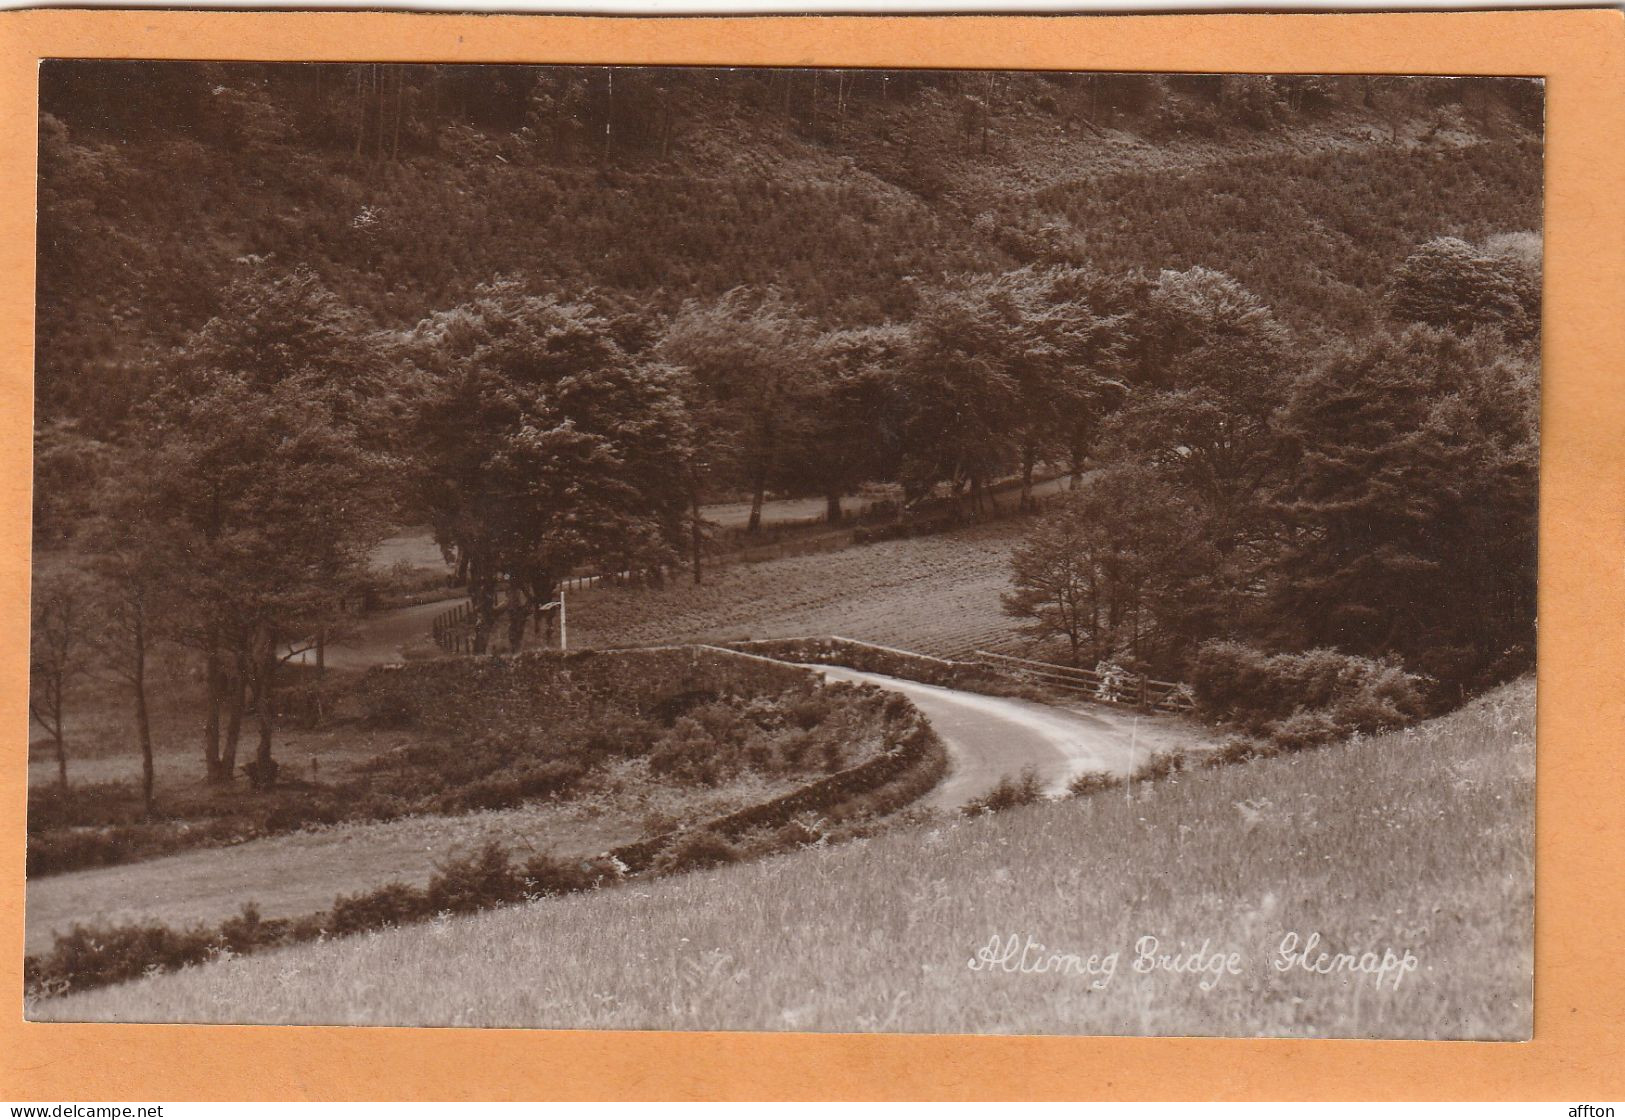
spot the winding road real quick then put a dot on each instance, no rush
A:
(991, 737)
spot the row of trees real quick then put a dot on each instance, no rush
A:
(1378, 497)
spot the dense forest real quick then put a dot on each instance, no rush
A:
(1283, 333)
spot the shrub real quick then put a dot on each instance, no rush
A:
(389, 905)
(1265, 693)
(483, 880)
(1237, 748)
(809, 711)
(1308, 728)
(620, 734)
(695, 850)
(798, 834)
(249, 931)
(522, 782)
(546, 875)
(89, 957)
(1092, 782)
(1162, 764)
(1023, 789)
(688, 753)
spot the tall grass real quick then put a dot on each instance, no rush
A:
(1419, 841)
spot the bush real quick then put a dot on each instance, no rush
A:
(1162, 764)
(392, 904)
(620, 734)
(522, 782)
(1092, 782)
(247, 931)
(1303, 699)
(546, 875)
(1008, 794)
(694, 850)
(688, 753)
(1235, 749)
(479, 882)
(89, 957)
(1309, 728)
(798, 834)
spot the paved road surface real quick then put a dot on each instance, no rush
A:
(989, 737)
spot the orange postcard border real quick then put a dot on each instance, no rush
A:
(1579, 1046)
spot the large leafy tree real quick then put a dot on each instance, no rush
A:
(1007, 369)
(1412, 498)
(853, 416)
(1121, 569)
(264, 477)
(751, 355)
(1211, 371)
(1450, 283)
(539, 445)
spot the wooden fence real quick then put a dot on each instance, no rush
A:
(1111, 686)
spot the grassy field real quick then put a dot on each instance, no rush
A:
(937, 595)
(301, 872)
(1417, 842)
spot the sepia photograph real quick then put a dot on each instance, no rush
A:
(975, 552)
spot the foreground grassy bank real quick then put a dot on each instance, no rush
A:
(1419, 842)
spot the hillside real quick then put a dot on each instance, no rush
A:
(1417, 842)
(848, 191)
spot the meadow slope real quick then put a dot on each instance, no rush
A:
(1419, 841)
(936, 595)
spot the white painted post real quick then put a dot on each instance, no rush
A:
(564, 625)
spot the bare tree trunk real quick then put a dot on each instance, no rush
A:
(697, 529)
(758, 497)
(832, 507)
(987, 112)
(143, 724)
(609, 119)
(360, 113)
(518, 615)
(378, 98)
(395, 144)
(214, 685)
(236, 700)
(56, 738)
(265, 766)
(482, 593)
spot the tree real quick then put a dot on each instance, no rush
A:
(1069, 361)
(1119, 570)
(852, 428)
(1412, 499)
(1007, 370)
(1449, 283)
(131, 555)
(750, 354)
(961, 394)
(268, 487)
(539, 445)
(1211, 373)
(59, 608)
